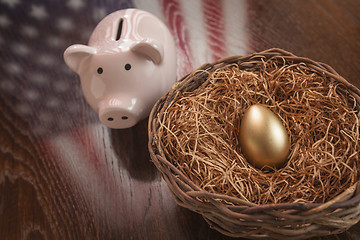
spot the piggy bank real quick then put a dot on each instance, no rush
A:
(128, 64)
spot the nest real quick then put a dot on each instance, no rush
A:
(194, 143)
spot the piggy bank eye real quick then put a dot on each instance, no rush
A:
(100, 70)
(127, 67)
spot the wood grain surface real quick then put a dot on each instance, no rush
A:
(63, 175)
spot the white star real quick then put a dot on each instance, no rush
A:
(11, 3)
(38, 12)
(14, 68)
(30, 31)
(65, 24)
(31, 95)
(54, 41)
(61, 86)
(53, 102)
(37, 78)
(75, 4)
(20, 49)
(4, 21)
(99, 13)
(46, 60)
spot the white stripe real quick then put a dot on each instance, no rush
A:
(75, 160)
(235, 27)
(87, 176)
(193, 13)
(151, 7)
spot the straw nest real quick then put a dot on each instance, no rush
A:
(199, 132)
(194, 134)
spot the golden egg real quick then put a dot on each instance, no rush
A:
(263, 139)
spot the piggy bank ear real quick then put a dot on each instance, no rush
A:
(150, 49)
(75, 54)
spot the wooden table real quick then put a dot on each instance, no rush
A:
(63, 175)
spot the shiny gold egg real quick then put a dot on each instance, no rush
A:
(263, 139)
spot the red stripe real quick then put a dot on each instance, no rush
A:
(255, 40)
(176, 23)
(85, 142)
(215, 28)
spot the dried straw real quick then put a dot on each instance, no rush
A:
(198, 133)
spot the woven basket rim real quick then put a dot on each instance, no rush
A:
(185, 190)
(274, 53)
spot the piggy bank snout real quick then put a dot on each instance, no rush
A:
(117, 118)
(120, 115)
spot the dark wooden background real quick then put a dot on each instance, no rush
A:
(65, 176)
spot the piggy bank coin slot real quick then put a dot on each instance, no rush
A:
(118, 34)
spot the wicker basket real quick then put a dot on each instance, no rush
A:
(238, 218)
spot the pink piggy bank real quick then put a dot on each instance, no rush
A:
(129, 63)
